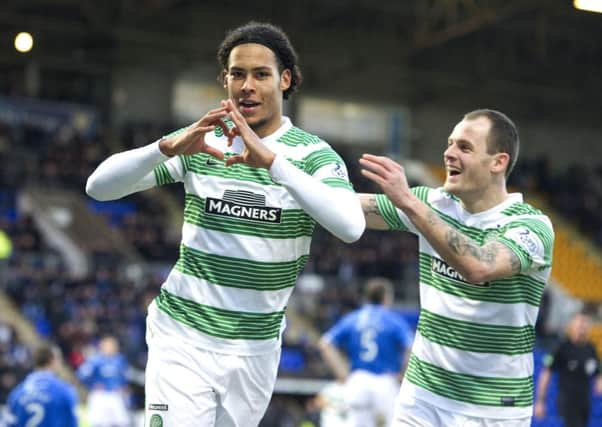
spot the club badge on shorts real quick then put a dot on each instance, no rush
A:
(156, 421)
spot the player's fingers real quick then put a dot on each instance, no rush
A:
(213, 117)
(201, 130)
(235, 114)
(212, 151)
(217, 110)
(234, 159)
(373, 158)
(385, 162)
(198, 133)
(372, 177)
(232, 133)
(373, 166)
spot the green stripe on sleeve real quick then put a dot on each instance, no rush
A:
(389, 213)
(320, 158)
(162, 175)
(523, 255)
(338, 183)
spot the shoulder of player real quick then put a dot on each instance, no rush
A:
(436, 197)
(524, 209)
(295, 137)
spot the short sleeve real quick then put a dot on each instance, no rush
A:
(393, 216)
(174, 169)
(532, 241)
(339, 334)
(326, 165)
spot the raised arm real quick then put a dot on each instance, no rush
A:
(131, 171)
(125, 173)
(337, 210)
(476, 263)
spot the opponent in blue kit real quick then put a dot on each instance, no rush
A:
(376, 340)
(42, 399)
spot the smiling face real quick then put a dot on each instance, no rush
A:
(255, 85)
(471, 170)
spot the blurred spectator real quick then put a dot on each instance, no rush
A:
(576, 363)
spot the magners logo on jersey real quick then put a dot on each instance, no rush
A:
(441, 267)
(244, 205)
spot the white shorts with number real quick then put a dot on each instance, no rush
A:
(188, 386)
(412, 412)
(370, 399)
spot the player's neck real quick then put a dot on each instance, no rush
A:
(484, 200)
(267, 127)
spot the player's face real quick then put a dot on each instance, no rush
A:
(468, 165)
(580, 327)
(255, 86)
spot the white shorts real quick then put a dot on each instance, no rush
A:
(370, 399)
(107, 409)
(412, 412)
(188, 386)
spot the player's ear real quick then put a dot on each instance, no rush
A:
(224, 78)
(500, 163)
(285, 80)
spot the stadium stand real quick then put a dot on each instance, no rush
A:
(75, 311)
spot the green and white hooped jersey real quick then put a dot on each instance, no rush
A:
(244, 242)
(473, 348)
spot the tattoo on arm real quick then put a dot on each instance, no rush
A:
(514, 262)
(462, 245)
(432, 218)
(374, 218)
(371, 207)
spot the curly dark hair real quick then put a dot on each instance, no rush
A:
(271, 37)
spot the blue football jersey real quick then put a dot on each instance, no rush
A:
(104, 372)
(374, 338)
(41, 400)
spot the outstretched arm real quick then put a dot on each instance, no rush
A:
(476, 263)
(125, 173)
(131, 171)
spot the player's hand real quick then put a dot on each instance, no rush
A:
(390, 177)
(255, 153)
(192, 140)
